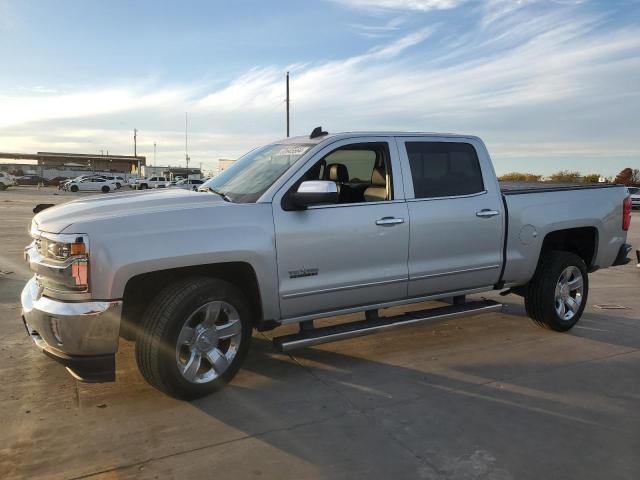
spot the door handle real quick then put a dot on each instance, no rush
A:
(487, 213)
(389, 221)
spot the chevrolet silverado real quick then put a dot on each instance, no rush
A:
(300, 229)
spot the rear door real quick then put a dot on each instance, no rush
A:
(97, 183)
(456, 215)
(352, 253)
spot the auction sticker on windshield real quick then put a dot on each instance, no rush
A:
(292, 150)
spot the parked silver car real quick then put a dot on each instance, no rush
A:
(635, 196)
(185, 184)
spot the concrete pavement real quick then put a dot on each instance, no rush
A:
(485, 397)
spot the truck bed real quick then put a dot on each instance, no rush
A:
(593, 208)
(517, 188)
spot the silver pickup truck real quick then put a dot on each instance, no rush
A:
(300, 229)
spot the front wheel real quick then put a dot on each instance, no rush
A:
(74, 188)
(557, 294)
(105, 189)
(194, 337)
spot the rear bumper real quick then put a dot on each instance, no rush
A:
(622, 258)
(81, 335)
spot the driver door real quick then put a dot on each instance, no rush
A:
(352, 253)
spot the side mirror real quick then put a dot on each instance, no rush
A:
(314, 192)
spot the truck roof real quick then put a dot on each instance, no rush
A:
(340, 135)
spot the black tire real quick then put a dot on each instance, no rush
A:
(539, 298)
(73, 188)
(161, 323)
(3, 186)
(118, 185)
(144, 186)
(105, 189)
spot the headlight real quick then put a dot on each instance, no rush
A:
(61, 262)
(61, 250)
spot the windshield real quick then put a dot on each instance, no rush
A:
(251, 175)
(633, 190)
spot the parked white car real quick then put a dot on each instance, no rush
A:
(119, 181)
(7, 180)
(186, 184)
(65, 185)
(91, 184)
(153, 182)
(635, 197)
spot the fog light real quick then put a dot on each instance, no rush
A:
(55, 329)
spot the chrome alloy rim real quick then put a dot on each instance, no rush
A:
(568, 296)
(208, 342)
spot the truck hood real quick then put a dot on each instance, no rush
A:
(103, 206)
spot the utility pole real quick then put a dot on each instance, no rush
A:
(154, 158)
(186, 150)
(287, 102)
(135, 150)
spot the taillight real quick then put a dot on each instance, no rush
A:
(626, 213)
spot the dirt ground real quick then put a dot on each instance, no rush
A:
(484, 397)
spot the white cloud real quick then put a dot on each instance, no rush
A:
(418, 5)
(44, 106)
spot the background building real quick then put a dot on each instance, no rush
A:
(52, 164)
(170, 172)
(224, 163)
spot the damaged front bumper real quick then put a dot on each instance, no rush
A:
(83, 336)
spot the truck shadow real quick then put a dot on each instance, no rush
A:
(442, 409)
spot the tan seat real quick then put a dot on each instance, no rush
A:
(377, 192)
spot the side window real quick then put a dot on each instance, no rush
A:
(362, 172)
(444, 169)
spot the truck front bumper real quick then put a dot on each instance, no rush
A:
(83, 336)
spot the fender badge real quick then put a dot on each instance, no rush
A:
(303, 272)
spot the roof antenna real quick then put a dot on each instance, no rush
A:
(317, 132)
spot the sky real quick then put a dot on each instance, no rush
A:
(548, 84)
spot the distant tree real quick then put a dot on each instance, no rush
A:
(591, 178)
(519, 177)
(625, 177)
(635, 177)
(565, 176)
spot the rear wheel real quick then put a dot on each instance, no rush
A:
(194, 337)
(144, 186)
(557, 294)
(74, 188)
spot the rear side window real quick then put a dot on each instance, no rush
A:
(444, 169)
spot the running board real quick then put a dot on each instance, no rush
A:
(334, 333)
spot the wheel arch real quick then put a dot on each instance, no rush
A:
(583, 241)
(140, 290)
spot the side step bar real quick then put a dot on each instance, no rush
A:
(334, 333)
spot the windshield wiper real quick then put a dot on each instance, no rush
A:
(224, 196)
